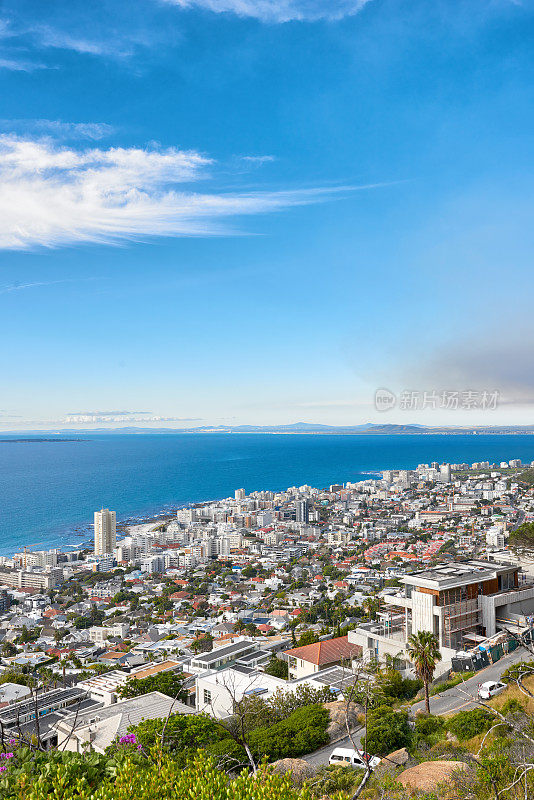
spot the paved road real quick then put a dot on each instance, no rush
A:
(321, 756)
(454, 699)
(520, 519)
(451, 701)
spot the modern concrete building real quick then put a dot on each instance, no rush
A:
(105, 531)
(461, 603)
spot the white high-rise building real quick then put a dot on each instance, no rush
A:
(239, 494)
(105, 531)
(444, 473)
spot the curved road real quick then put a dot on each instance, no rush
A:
(448, 702)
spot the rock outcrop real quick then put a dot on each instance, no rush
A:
(427, 776)
(337, 728)
(391, 762)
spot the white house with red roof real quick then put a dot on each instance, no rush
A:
(311, 658)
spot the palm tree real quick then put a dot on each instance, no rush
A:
(423, 652)
(371, 606)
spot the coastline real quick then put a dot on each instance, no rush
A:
(49, 494)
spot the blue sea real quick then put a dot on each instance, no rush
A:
(49, 490)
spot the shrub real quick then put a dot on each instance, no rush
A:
(227, 754)
(184, 734)
(429, 729)
(394, 687)
(512, 706)
(467, 724)
(522, 668)
(303, 731)
(160, 779)
(259, 713)
(450, 684)
(387, 730)
(329, 780)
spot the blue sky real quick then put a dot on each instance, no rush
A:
(260, 211)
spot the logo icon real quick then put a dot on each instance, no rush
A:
(384, 400)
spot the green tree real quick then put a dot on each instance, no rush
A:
(203, 644)
(169, 683)
(9, 649)
(277, 668)
(387, 730)
(423, 652)
(371, 605)
(308, 637)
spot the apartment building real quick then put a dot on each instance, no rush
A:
(105, 531)
(23, 579)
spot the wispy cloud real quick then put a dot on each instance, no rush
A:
(51, 37)
(258, 159)
(21, 65)
(106, 417)
(278, 10)
(17, 287)
(52, 195)
(116, 31)
(58, 129)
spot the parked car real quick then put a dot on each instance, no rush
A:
(490, 689)
(346, 757)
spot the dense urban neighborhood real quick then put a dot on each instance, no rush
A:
(274, 625)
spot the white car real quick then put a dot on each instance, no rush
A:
(490, 689)
(346, 757)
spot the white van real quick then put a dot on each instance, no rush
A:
(346, 757)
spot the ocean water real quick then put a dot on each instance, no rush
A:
(49, 490)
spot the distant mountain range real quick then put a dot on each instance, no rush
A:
(304, 427)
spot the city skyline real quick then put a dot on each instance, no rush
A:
(259, 212)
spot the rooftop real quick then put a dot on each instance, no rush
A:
(154, 669)
(326, 651)
(458, 572)
(112, 722)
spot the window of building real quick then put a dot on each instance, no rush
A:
(207, 697)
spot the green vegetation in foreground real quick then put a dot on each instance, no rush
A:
(186, 757)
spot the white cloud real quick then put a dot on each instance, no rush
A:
(59, 129)
(278, 10)
(106, 417)
(20, 65)
(54, 195)
(258, 159)
(115, 45)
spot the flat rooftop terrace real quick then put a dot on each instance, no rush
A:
(458, 572)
